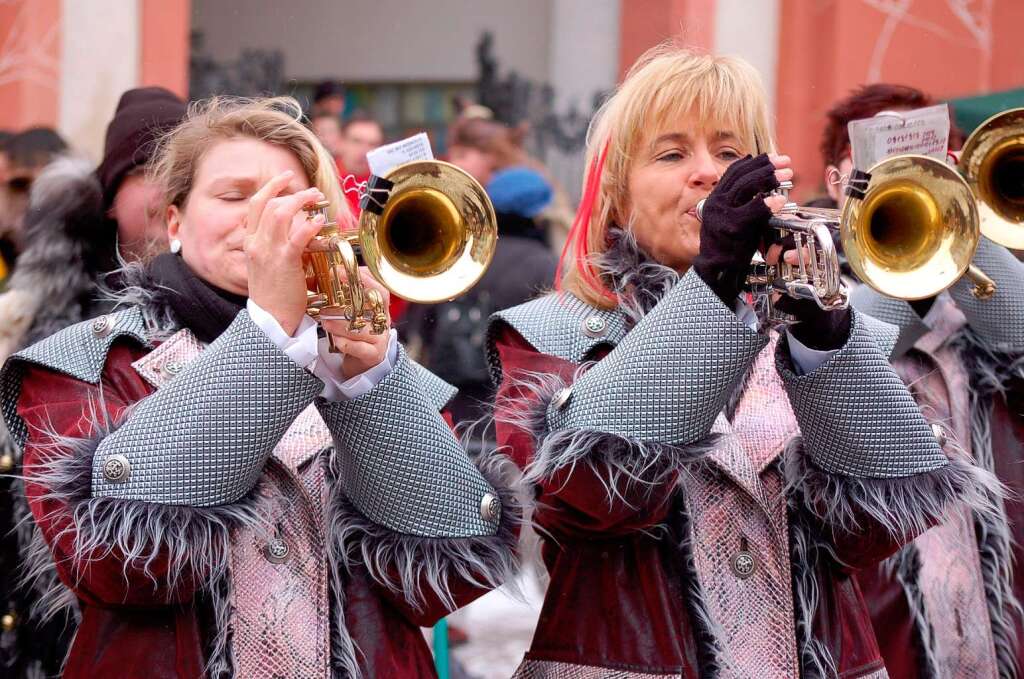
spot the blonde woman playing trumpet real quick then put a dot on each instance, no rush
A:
(704, 489)
(222, 494)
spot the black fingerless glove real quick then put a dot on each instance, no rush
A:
(734, 221)
(817, 328)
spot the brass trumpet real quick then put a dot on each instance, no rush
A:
(992, 162)
(429, 240)
(909, 230)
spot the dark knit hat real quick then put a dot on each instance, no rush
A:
(143, 115)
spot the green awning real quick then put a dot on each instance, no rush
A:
(969, 112)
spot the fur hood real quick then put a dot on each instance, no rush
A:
(69, 242)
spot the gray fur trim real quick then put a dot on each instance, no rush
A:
(344, 662)
(220, 663)
(903, 506)
(905, 567)
(132, 285)
(618, 461)
(407, 564)
(637, 280)
(1004, 610)
(194, 541)
(807, 554)
(990, 374)
(711, 657)
(990, 369)
(68, 241)
(38, 573)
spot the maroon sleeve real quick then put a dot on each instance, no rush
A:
(66, 419)
(581, 499)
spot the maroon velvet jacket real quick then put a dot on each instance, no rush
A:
(623, 592)
(133, 624)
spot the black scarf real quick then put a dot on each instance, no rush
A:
(204, 309)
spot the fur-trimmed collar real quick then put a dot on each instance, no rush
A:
(637, 280)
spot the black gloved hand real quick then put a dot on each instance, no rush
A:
(734, 221)
(817, 328)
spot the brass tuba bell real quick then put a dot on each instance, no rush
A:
(992, 161)
(429, 240)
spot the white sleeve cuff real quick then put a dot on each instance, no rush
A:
(328, 369)
(745, 313)
(805, 359)
(302, 348)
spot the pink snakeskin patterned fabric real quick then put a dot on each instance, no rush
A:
(737, 506)
(546, 669)
(950, 580)
(280, 610)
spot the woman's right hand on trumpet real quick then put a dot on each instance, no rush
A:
(276, 234)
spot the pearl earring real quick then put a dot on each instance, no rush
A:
(175, 246)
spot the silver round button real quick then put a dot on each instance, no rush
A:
(277, 551)
(172, 367)
(117, 469)
(594, 326)
(743, 564)
(939, 433)
(490, 508)
(101, 326)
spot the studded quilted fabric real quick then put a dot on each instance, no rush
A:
(559, 325)
(894, 311)
(401, 465)
(202, 439)
(999, 320)
(79, 351)
(547, 669)
(857, 417)
(438, 391)
(671, 375)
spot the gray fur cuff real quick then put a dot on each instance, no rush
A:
(187, 546)
(1000, 319)
(202, 439)
(400, 464)
(420, 568)
(856, 415)
(670, 377)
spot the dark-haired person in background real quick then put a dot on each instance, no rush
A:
(945, 605)
(329, 99)
(360, 134)
(78, 221)
(25, 154)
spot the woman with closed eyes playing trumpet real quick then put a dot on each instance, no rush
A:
(223, 495)
(704, 489)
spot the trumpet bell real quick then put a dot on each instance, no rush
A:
(992, 161)
(916, 229)
(434, 237)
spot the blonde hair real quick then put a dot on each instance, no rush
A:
(276, 120)
(665, 84)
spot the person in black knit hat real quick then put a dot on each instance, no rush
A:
(79, 223)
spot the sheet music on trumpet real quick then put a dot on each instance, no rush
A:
(924, 131)
(384, 158)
